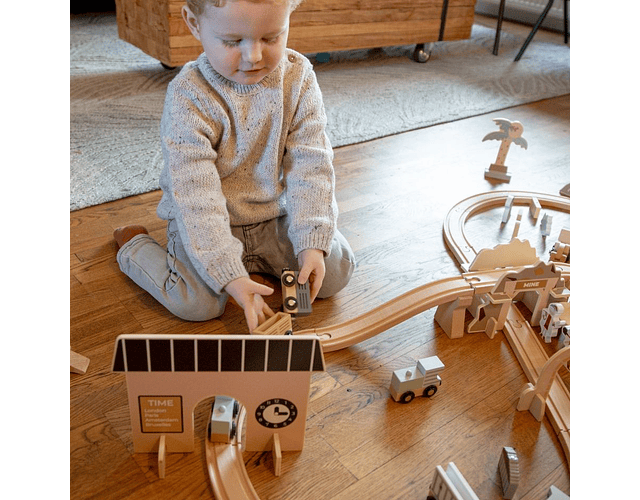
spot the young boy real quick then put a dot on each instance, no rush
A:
(248, 183)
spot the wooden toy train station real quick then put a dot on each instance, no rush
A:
(168, 375)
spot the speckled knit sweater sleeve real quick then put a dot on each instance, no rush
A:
(242, 154)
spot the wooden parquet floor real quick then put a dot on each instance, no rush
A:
(394, 194)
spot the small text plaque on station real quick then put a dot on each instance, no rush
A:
(161, 413)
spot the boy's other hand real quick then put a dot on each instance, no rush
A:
(248, 294)
(312, 268)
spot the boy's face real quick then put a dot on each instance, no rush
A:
(244, 41)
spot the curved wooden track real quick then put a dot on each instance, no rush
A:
(457, 217)
(228, 476)
(532, 357)
(391, 313)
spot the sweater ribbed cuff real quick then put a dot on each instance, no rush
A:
(318, 241)
(222, 275)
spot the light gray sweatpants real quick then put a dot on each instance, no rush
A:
(169, 276)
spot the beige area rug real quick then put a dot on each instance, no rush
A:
(117, 93)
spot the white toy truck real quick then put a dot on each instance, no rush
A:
(422, 379)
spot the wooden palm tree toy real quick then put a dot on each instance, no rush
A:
(510, 132)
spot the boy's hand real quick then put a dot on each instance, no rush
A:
(248, 294)
(312, 268)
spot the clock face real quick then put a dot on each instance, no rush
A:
(276, 413)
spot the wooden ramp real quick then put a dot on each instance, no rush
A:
(391, 313)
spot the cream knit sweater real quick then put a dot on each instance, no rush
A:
(241, 154)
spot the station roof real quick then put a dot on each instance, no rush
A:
(214, 353)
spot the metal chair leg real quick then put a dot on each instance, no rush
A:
(496, 43)
(534, 30)
(566, 21)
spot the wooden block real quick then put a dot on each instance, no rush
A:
(534, 208)
(79, 363)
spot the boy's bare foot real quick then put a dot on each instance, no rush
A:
(125, 233)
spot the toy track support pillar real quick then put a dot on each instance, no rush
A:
(451, 316)
(277, 455)
(162, 456)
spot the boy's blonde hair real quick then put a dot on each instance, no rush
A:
(198, 6)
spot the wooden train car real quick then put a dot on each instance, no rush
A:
(223, 424)
(296, 298)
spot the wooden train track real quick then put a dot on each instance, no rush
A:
(457, 217)
(227, 473)
(390, 313)
(532, 357)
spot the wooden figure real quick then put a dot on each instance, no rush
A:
(509, 468)
(560, 252)
(516, 228)
(508, 205)
(510, 132)
(450, 485)
(534, 208)
(553, 318)
(545, 225)
(561, 248)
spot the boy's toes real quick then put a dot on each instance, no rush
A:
(125, 233)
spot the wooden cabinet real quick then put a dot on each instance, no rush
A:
(156, 26)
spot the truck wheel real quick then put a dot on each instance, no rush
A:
(290, 303)
(430, 391)
(407, 397)
(288, 279)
